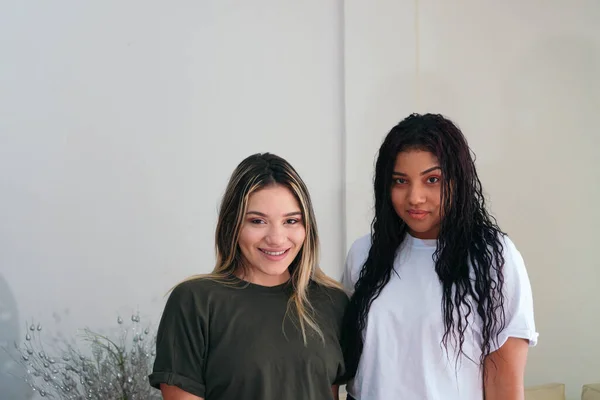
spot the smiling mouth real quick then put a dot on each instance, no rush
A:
(274, 253)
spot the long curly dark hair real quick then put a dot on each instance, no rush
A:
(469, 241)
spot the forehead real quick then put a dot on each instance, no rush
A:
(273, 199)
(415, 161)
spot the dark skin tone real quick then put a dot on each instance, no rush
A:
(505, 370)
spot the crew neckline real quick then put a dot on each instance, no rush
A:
(282, 287)
(420, 243)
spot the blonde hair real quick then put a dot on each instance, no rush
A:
(252, 174)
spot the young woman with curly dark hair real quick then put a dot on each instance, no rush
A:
(441, 305)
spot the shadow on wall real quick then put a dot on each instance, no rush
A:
(11, 373)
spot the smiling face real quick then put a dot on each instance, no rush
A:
(416, 192)
(271, 235)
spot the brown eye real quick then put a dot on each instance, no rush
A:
(433, 179)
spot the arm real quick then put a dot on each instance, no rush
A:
(335, 389)
(174, 393)
(504, 367)
(504, 370)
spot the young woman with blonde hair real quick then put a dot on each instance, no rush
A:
(265, 324)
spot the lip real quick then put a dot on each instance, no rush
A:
(273, 257)
(418, 214)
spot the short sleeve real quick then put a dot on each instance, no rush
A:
(518, 299)
(357, 256)
(180, 343)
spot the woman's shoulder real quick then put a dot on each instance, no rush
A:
(512, 264)
(356, 258)
(509, 246)
(361, 246)
(359, 251)
(513, 259)
(197, 287)
(336, 292)
(329, 294)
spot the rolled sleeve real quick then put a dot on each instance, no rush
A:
(518, 306)
(180, 343)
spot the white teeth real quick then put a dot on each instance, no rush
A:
(273, 253)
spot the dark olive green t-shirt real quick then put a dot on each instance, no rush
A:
(235, 342)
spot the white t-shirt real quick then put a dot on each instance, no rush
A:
(403, 356)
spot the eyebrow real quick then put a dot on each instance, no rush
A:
(422, 173)
(290, 214)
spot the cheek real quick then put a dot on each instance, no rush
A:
(436, 197)
(397, 197)
(248, 237)
(297, 236)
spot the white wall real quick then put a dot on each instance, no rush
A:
(521, 80)
(120, 123)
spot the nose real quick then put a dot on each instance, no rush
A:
(275, 236)
(416, 195)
